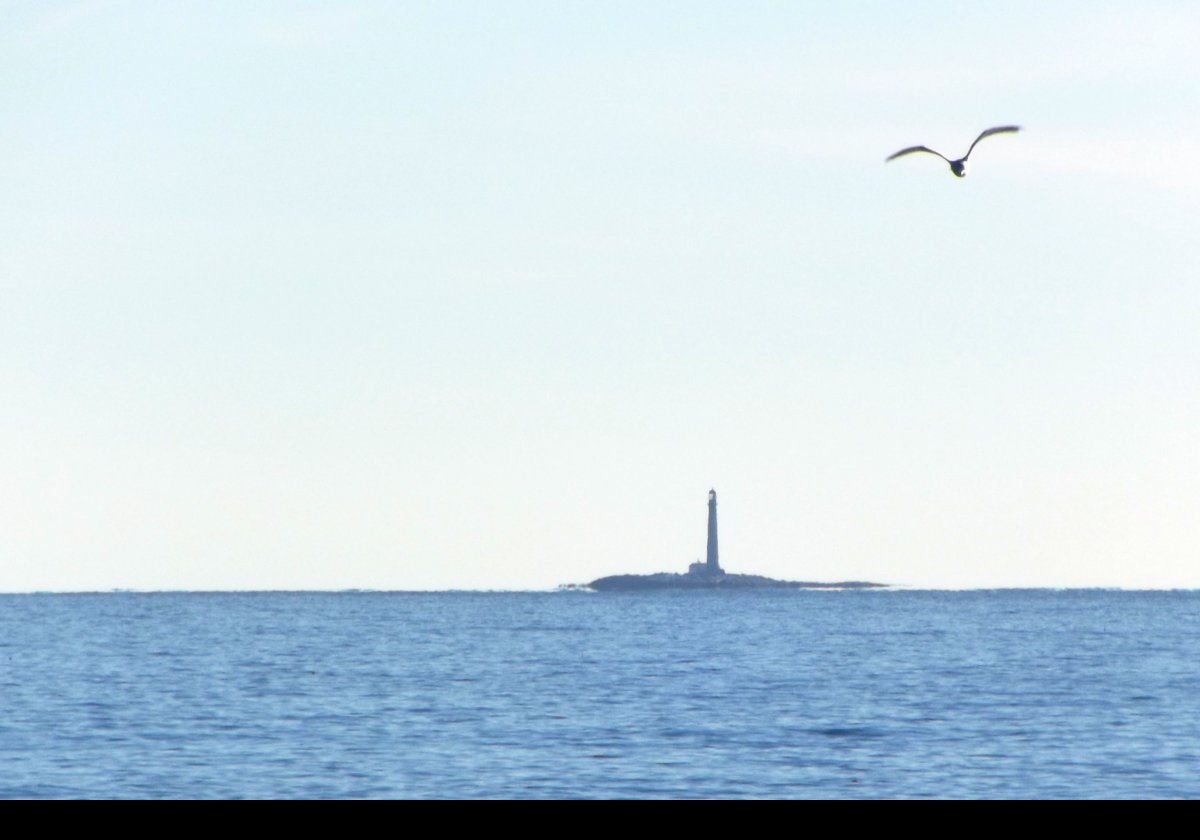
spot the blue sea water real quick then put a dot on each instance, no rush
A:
(689, 694)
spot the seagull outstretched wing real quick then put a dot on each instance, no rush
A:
(912, 149)
(1000, 129)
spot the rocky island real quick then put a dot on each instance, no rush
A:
(710, 575)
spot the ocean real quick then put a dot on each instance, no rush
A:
(760, 694)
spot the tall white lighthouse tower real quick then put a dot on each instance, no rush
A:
(713, 566)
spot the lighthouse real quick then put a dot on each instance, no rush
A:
(708, 574)
(713, 567)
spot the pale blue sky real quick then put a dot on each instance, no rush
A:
(488, 295)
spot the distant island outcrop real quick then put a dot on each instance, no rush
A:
(710, 575)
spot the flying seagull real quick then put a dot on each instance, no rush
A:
(958, 167)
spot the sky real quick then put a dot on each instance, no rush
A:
(467, 295)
